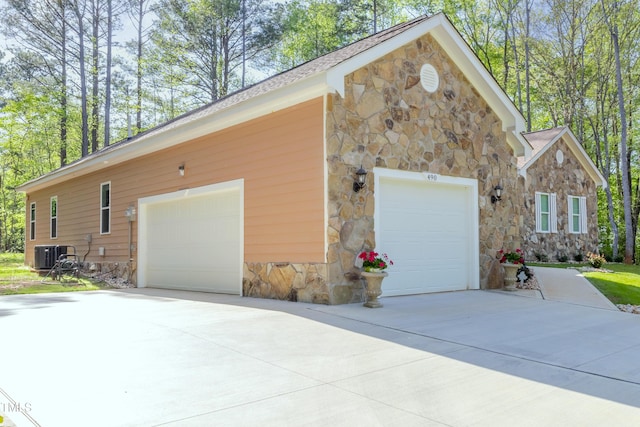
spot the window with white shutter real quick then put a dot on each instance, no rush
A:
(553, 213)
(546, 213)
(577, 211)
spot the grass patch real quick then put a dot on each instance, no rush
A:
(557, 264)
(621, 286)
(16, 278)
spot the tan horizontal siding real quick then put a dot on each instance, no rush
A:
(279, 156)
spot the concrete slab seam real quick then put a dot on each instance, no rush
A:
(571, 369)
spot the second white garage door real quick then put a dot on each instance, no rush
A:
(192, 239)
(428, 225)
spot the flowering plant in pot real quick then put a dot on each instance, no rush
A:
(373, 261)
(511, 261)
(516, 257)
(374, 265)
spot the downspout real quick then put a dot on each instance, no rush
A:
(130, 213)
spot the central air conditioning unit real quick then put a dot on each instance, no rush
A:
(45, 256)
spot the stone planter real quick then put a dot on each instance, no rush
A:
(510, 276)
(374, 288)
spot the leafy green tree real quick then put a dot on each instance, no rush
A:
(204, 39)
(39, 30)
(29, 147)
(613, 14)
(139, 10)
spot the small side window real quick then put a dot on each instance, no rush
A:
(543, 225)
(32, 221)
(105, 208)
(577, 214)
(546, 213)
(54, 217)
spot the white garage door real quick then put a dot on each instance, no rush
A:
(192, 240)
(428, 226)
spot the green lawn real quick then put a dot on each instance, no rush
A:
(16, 278)
(621, 286)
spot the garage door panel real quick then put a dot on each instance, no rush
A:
(425, 228)
(193, 242)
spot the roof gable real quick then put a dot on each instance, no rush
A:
(542, 141)
(441, 29)
(312, 79)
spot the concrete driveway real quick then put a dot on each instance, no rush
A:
(145, 357)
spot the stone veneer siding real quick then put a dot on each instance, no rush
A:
(565, 179)
(388, 120)
(286, 281)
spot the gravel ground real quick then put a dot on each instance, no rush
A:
(531, 283)
(110, 280)
(628, 308)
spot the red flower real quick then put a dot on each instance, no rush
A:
(372, 259)
(516, 257)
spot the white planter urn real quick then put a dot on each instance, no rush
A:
(374, 287)
(510, 276)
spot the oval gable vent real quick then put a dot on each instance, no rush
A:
(429, 78)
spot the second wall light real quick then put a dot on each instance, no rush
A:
(360, 180)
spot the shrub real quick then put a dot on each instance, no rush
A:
(578, 257)
(541, 257)
(595, 260)
(563, 257)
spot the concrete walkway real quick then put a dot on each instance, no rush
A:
(146, 357)
(566, 285)
(570, 286)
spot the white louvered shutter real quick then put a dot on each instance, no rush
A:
(538, 213)
(583, 215)
(553, 214)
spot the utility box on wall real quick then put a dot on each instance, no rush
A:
(47, 255)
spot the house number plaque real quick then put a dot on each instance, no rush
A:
(431, 177)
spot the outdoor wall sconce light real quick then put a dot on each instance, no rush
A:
(181, 170)
(360, 181)
(498, 194)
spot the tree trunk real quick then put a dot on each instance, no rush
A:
(244, 42)
(64, 114)
(527, 71)
(624, 157)
(107, 83)
(139, 69)
(516, 61)
(83, 80)
(605, 169)
(636, 214)
(95, 64)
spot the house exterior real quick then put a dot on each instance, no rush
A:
(560, 215)
(254, 194)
